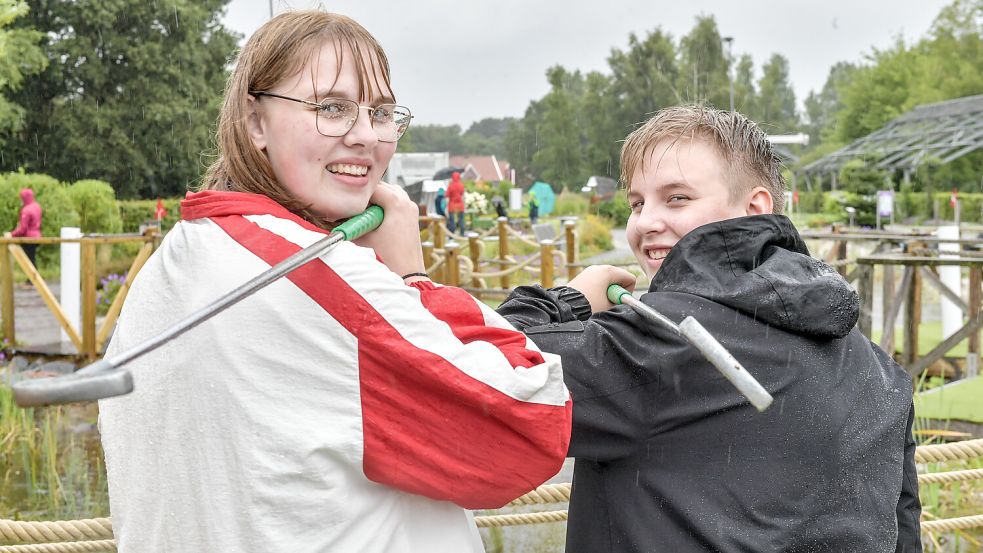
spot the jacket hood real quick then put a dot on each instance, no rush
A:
(760, 266)
(27, 196)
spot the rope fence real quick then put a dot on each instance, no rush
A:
(459, 259)
(101, 546)
(96, 535)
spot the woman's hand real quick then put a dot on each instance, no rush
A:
(397, 240)
(593, 283)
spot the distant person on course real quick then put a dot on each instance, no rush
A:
(438, 203)
(29, 225)
(455, 204)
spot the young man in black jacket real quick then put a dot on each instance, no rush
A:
(670, 457)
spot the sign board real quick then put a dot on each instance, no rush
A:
(515, 199)
(885, 203)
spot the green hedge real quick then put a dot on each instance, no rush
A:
(616, 209)
(916, 207)
(137, 212)
(95, 202)
(57, 208)
(88, 204)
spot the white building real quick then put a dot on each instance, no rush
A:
(406, 169)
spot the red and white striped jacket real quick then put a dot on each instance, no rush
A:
(337, 409)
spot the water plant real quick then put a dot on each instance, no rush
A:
(50, 462)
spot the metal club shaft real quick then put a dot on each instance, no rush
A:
(702, 340)
(104, 379)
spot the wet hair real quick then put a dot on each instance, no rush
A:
(278, 50)
(749, 158)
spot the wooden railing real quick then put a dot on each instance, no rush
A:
(452, 259)
(88, 340)
(919, 256)
(917, 270)
(459, 260)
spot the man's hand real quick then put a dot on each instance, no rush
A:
(593, 283)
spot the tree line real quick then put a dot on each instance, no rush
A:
(128, 92)
(575, 130)
(125, 91)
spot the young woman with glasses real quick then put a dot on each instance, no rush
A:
(353, 405)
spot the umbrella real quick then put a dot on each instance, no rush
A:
(446, 172)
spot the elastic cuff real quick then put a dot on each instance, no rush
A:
(578, 302)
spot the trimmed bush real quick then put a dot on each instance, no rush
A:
(57, 208)
(571, 203)
(594, 235)
(616, 209)
(134, 213)
(95, 202)
(810, 202)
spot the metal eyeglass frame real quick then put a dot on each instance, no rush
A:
(358, 112)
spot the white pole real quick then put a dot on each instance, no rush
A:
(71, 279)
(950, 275)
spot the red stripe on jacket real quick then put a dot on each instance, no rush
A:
(429, 428)
(458, 309)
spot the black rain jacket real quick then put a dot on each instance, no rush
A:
(671, 458)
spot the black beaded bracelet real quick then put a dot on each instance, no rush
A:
(406, 276)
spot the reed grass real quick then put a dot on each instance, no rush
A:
(47, 470)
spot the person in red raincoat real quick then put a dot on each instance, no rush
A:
(30, 222)
(455, 204)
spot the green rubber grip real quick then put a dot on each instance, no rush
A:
(364, 222)
(615, 292)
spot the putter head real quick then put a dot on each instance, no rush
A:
(85, 385)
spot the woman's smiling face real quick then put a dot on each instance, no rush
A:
(334, 176)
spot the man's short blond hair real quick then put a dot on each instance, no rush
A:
(748, 156)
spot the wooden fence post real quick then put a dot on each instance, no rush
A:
(570, 228)
(840, 247)
(474, 252)
(88, 330)
(451, 269)
(7, 293)
(428, 258)
(546, 263)
(887, 295)
(913, 317)
(865, 288)
(439, 239)
(973, 352)
(503, 250)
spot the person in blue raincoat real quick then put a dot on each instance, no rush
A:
(438, 203)
(533, 208)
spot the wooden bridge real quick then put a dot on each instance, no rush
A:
(918, 258)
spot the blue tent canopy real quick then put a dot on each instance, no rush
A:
(545, 196)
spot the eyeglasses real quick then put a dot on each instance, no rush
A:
(337, 116)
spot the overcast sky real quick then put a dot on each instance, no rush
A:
(455, 62)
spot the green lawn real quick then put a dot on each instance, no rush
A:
(962, 400)
(929, 336)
